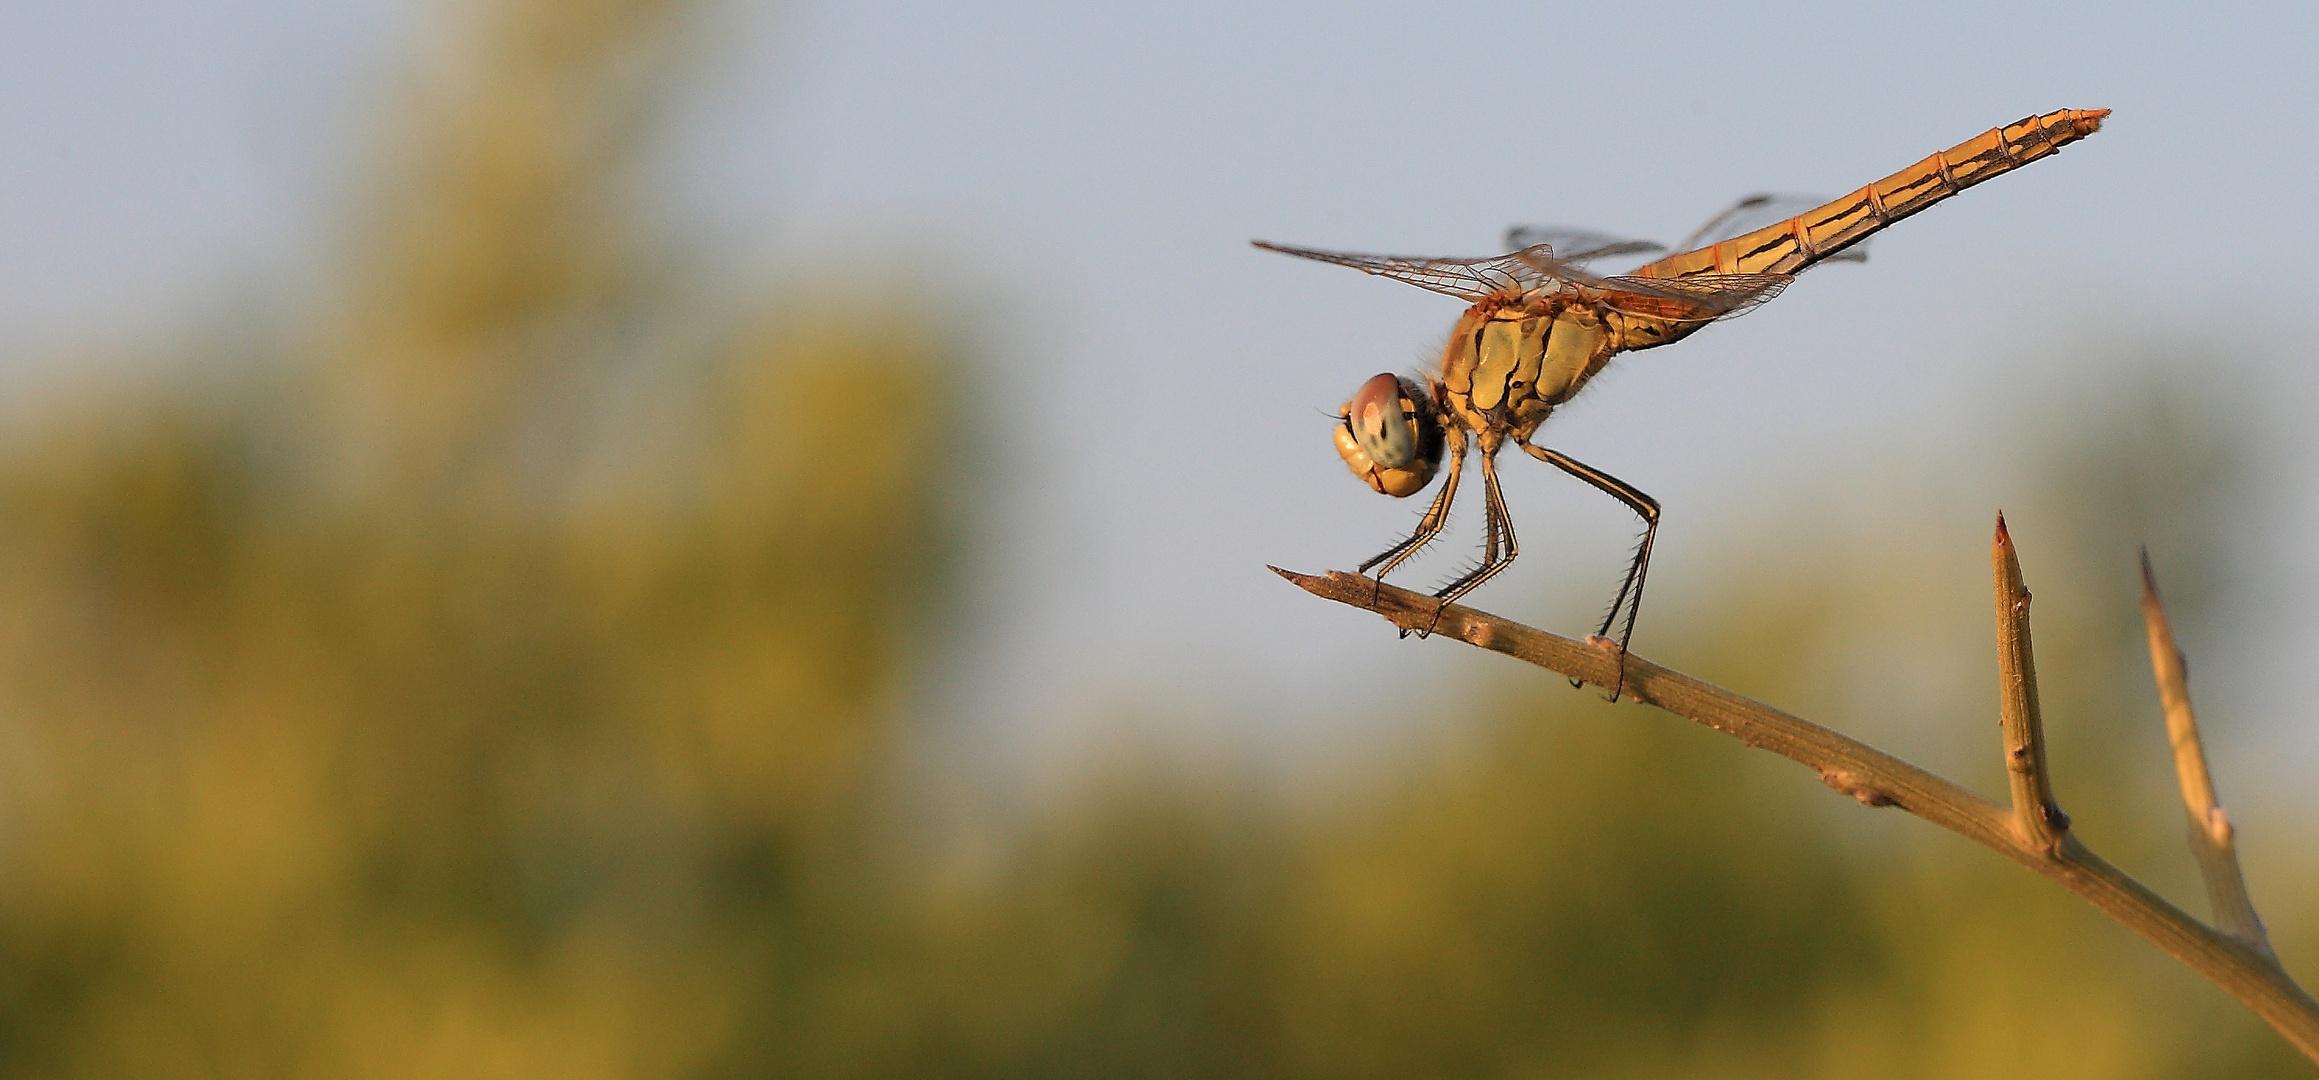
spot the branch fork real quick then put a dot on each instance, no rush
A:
(2034, 831)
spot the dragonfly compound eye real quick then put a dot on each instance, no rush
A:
(1389, 437)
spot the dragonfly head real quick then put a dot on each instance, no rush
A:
(1390, 436)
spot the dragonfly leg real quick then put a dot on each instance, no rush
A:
(1630, 591)
(1498, 545)
(1435, 519)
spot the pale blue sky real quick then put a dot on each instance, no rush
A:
(1091, 175)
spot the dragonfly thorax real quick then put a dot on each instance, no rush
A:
(1505, 369)
(1390, 435)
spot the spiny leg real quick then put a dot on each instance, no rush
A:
(1496, 524)
(1435, 519)
(1638, 569)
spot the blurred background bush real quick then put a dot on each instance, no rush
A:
(512, 664)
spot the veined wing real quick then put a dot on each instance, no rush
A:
(1471, 280)
(1697, 299)
(1702, 298)
(1758, 210)
(1577, 247)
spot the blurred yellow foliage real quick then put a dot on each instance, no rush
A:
(385, 711)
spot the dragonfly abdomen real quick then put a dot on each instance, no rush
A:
(1807, 238)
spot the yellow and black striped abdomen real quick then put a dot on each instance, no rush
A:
(1798, 242)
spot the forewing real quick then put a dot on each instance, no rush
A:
(1577, 246)
(1755, 212)
(1467, 279)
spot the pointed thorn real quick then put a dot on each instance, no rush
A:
(1307, 582)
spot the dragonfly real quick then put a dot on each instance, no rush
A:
(1541, 325)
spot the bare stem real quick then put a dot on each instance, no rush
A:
(2036, 814)
(2211, 838)
(1874, 778)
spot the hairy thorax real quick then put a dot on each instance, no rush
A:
(1508, 365)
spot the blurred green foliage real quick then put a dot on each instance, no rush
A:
(506, 679)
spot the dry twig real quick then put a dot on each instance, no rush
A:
(2033, 831)
(2036, 814)
(2211, 838)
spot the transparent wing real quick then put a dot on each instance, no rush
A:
(1755, 212)
(1699, 298)
(1577, 246)
(1471, 280)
